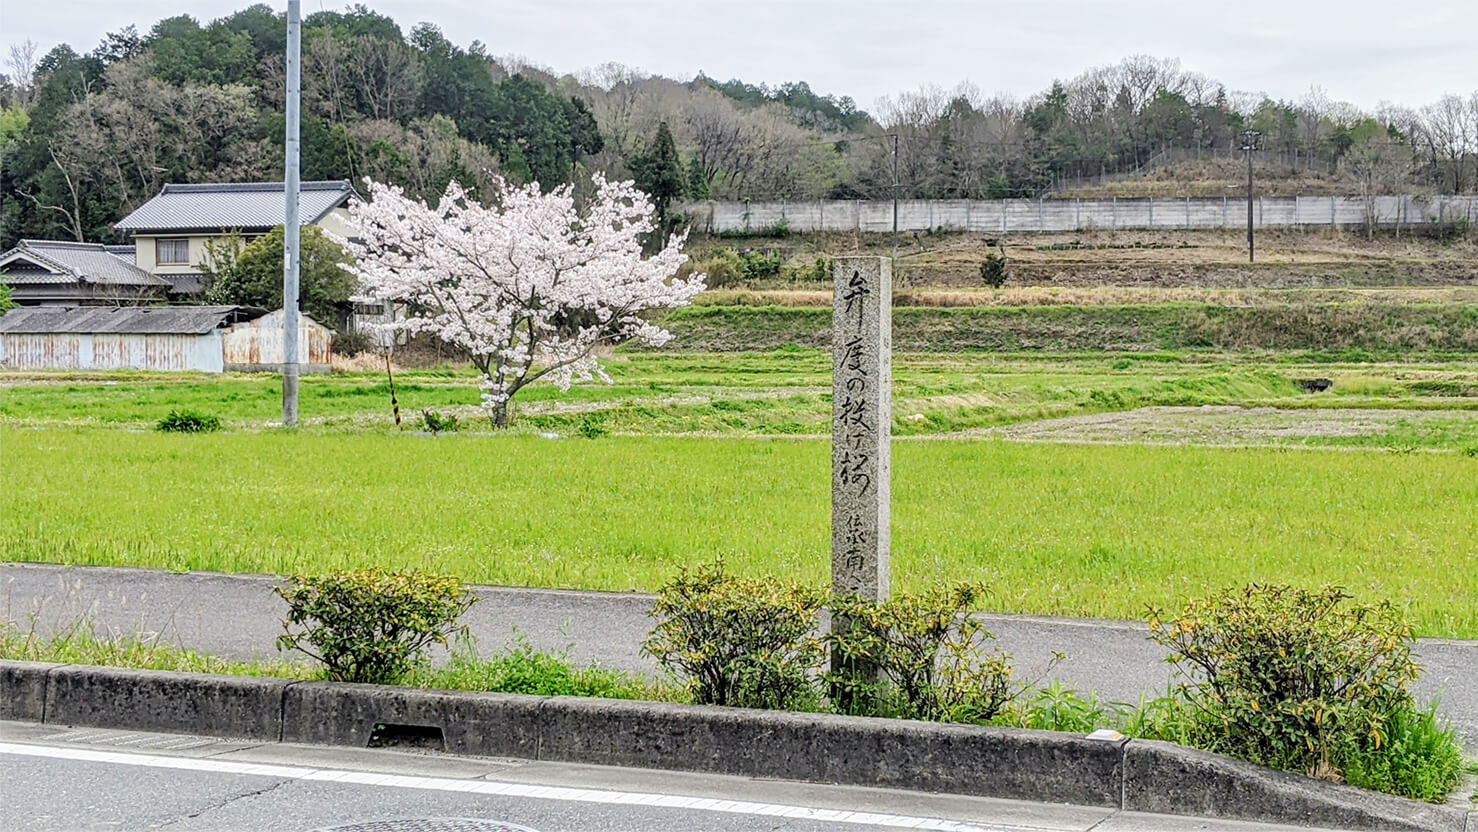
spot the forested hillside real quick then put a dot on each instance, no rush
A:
(87, 136)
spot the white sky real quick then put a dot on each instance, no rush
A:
(1358, 51)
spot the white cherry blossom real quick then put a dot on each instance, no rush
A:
(530, 287)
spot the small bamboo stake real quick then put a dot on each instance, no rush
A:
(394, 403)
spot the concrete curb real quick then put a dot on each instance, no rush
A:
(1045, 766)
(156, 700)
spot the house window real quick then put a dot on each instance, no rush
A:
(172, 251)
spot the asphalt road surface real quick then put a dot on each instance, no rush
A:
(62, 779)
(239, 617)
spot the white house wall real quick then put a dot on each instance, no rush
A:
(334, 222)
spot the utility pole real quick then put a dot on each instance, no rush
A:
(290, 230)
(895, 200)
(1250, 144)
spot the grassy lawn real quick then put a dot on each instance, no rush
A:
(1060, 529)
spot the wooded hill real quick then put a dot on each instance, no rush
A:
(85, 137)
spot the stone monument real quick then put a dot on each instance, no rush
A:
(862, 415)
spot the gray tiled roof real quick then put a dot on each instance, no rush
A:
(167, 320)
(52, 261)
(239, 205)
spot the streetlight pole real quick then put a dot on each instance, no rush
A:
(1250, 137)
(290, 231)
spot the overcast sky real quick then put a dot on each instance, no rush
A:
(1358, 51)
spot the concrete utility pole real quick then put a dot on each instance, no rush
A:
(290, 230)
(895, 198)
(1250, 144)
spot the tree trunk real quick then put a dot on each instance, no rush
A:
(500, 415)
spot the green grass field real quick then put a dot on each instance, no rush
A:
(1372, 484)
(788, 393)
(1060, 529)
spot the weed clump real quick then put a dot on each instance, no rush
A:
(435, 422)
(188, 421)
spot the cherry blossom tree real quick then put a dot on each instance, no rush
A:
(529, 286)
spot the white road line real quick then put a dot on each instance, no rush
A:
(490, 787)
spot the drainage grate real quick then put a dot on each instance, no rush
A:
(428, 825)
(135, 739)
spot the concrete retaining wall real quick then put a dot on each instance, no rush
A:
(1005, 216)
(960, 759)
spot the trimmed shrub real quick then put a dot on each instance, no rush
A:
(745, 642)
(930, 654)
(371, 625)
(1298, 679)
(188, 421)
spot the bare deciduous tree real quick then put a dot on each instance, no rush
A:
(20, 60)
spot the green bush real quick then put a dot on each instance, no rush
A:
(1293, 678)
(722, 268)
(371, 625)
(351, 342)
(819, 271)
(929, 650)
(188, 421)
(738, 641)
(993, 270)
(438, 422)
(757, 264)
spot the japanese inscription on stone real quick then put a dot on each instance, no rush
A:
(862, 382)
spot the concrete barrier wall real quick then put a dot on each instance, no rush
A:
(923, 756)
(1026, 216)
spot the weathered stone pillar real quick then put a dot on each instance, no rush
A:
(862, 416)
(862, 405)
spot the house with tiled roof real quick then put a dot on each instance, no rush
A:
(55, 272)
(170, 231)
(168, 259)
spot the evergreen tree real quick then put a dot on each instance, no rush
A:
(659, 172)
(697, 181)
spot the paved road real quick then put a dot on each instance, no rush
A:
(239, 616)
(59, 779)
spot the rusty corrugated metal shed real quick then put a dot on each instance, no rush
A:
(257, 344)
